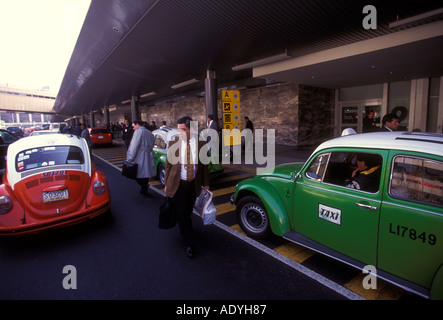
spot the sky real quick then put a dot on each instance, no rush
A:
(37, 38)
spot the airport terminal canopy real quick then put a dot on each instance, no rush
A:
(143, 48)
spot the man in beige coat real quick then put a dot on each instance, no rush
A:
(184, 181)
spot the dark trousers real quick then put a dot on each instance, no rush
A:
(144, 183)
(184, 200)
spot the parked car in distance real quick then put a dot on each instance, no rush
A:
(17, 131)
(50, 182)
(6, 138)
(29, 130)
(162, 137)
(364, 199)
(100, 136)
(58, 126)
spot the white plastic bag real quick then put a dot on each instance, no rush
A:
(205, 207)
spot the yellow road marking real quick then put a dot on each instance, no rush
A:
(384, 291)
(236, 177)
(224, 208)
(237, 228)
(220, 192)
(240, 167)
(294, 252)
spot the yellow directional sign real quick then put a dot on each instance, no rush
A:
(231, 117)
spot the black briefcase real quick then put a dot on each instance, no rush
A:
(167, 217)
(129, 169)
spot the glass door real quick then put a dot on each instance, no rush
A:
(349, 116)
(360, 116)
(371, 118)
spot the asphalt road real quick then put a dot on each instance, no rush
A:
(124, 255)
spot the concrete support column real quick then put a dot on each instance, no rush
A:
(91, 119)
(135, 108)
(211, 95)
(419, 104)
(83, 119)
(440, 108)
(106, 115)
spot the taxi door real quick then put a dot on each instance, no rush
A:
(411, 224)
(330, 211)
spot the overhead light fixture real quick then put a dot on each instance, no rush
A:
(184, 84)
(261, 62)
(416, 18)
(150, 94)
(126, 101)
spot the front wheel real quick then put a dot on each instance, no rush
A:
(252, 217)
(161, 173)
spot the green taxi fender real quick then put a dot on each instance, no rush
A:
(262, 189)
(437, 285)
(161, 159)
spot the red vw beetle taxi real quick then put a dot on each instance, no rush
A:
(100, 136)
(50, 182)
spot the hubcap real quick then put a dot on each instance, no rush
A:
(254, 218)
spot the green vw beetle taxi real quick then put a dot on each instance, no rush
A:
(364, 199)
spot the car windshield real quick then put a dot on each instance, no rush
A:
(7, 137)
(48, 156)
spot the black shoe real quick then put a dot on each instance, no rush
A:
(144, 191)
(190, 252)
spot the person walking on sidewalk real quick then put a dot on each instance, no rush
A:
(127, 133)
(185, 175)
(140, 152)
(85, 134)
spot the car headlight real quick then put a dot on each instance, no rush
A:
(5, 204)
(99, 187)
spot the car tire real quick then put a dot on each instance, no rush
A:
(161, 173)
(253, 218)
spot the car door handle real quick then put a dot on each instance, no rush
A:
(365, 206)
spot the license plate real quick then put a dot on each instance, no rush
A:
(58, 195)
(100, 137)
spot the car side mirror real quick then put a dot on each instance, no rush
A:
(295, 175)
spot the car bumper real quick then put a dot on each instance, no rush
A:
(55, 223)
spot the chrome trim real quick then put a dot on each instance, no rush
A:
(51, 168)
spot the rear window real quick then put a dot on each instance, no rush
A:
(417, 180)
(99, 131)
(48, 156)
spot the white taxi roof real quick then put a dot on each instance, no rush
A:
(431, 143)
(166, 132)
(45, 140)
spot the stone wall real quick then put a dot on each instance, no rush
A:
(195, 107)
(301, 115)
(316, 115)
(274, 107)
